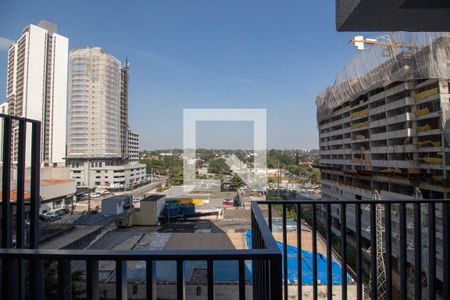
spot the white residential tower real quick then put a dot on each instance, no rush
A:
(37, 87)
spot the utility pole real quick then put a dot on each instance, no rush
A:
(89, 201)
(278, 179)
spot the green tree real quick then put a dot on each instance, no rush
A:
(218, 166)
(175, 173)
(155, 166)
(314, 176)
(236, 182)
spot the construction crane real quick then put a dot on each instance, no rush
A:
(380, 250)
(381, 267)
(392, 47)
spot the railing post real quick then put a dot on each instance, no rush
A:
(403, 251)
(37, 278)
(20, 205)
(241, 279)
(35, 185)
(431, 251)
(10, 290)
(314, 251)
(121, 280)
(275, 277)
(373, 253)
(285, 256)
(10, 276)
(210, 274)
(446, 250)
(64, 280)
(180, 280)
(92, 279)
(299, 251)
(150, 279)
(6, 186)
(329, 258)
(417, 252)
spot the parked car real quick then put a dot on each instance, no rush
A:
(44, 217)
(52, 214)
(61, 212)
(95, 195)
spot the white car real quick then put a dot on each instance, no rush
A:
(95, 195)
(52, 214)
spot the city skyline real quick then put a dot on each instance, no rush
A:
(260, 64)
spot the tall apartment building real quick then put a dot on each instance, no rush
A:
(133, 146)
(94, 105)
(98, 106)
(386, 129)
(37, 87)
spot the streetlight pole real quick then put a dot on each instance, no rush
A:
(89, 201)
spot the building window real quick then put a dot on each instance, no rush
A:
(57, 204)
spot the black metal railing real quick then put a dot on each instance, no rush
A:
(365, 226)
(22, 263)
(14, 143)
(265, 257)
(343, 227)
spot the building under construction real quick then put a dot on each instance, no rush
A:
(383, 129)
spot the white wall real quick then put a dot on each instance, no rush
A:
(58, 130)
(34, 75)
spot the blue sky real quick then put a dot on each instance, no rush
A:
(276, 55)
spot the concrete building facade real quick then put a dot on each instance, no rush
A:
(107, 173)
(94, 105)
(36, 87)
(97, 119)
(133, 146)
(393, 139)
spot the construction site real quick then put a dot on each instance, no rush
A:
(384, 134)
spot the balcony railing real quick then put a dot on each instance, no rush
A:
(381, 225)
(25, 260)
(406, 240)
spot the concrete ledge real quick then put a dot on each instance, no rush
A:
(392, 15)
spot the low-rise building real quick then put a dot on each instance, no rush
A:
(149, 211)
(107, 173)
(57, 190)
(115, 205)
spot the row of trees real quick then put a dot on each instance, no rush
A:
(172, 166)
